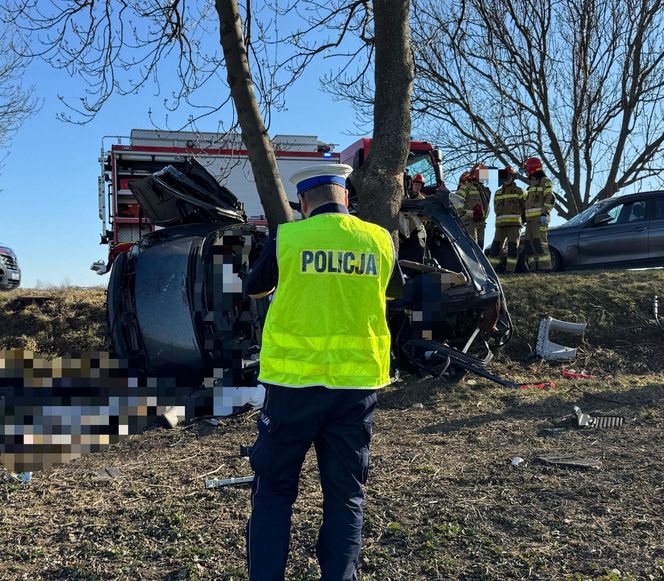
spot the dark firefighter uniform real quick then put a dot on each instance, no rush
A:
(539, 203)
(509, 204)
(325, 351)
(474, 211)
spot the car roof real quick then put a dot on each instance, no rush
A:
(650, 194)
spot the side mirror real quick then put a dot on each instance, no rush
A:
(438, 155)
(600, 219)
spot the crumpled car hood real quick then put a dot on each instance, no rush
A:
(170, 197)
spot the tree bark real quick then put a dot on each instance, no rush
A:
(379, 181)
(254, 134)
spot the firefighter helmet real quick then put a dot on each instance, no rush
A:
(532, 166)
(418, 178)
(465, 176)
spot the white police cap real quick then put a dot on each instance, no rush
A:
(319, 174)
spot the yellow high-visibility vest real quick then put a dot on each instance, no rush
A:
(326, 324)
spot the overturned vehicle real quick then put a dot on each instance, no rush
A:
(176, 305)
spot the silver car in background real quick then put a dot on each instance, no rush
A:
(620, 232)
(10, 273)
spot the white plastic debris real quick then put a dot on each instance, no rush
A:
(551, 351)
(218, 482)
(517, 461)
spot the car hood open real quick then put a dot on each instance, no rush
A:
(171, 197)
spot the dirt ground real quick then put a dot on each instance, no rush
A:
(443, 499)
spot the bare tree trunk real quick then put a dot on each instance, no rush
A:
(254, 134)
(379, 182)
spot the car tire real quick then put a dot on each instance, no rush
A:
(556, 260)
(523, 265)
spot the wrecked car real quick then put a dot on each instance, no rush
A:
(176, 305)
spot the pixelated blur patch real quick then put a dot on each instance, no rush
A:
(52, 411)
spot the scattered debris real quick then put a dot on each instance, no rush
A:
(553, 431)
(108, 473)
(517, 461)
(20, 477)
(551, 351)
(655, 313)
(570, 460)
(417, 406)
(172, 415)
(217, 482)
(543, 385)
(571, 374)
(584, 420)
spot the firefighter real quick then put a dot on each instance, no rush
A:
(475, 206)
(325, 351)
(465, 176)
(539, 203)
(509, 204)
(416, 185)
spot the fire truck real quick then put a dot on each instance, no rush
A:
(423, 158)
(224, 156)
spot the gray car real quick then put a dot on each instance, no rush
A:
(626, 231)
(10, 273)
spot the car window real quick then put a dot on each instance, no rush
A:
(627, 213)
(586, 215)
(659, 208)
(420, 162)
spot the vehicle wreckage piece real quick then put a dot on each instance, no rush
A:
(551, 351)
(584, 420)
(176, 305)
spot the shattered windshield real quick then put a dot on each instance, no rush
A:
(420, 162)
(586, 215)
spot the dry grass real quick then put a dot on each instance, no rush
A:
(443, 500)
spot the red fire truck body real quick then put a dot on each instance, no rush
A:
(223, 156)
(423, 158)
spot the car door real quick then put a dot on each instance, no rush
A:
(623, 237)
(656, 229)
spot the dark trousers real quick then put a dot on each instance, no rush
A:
(338, 424)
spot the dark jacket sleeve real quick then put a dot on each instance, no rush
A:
(395, 284)
(263, 276)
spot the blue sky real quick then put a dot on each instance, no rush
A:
(48, 197)
(48, 185)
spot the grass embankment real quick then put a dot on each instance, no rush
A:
(53, 322)
(617, 305)
(443, 500)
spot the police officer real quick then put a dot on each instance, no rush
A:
(509, 206)
(539, 203)
(325, 351)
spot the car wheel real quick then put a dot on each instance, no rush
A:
(524, 263)
(556, 260)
